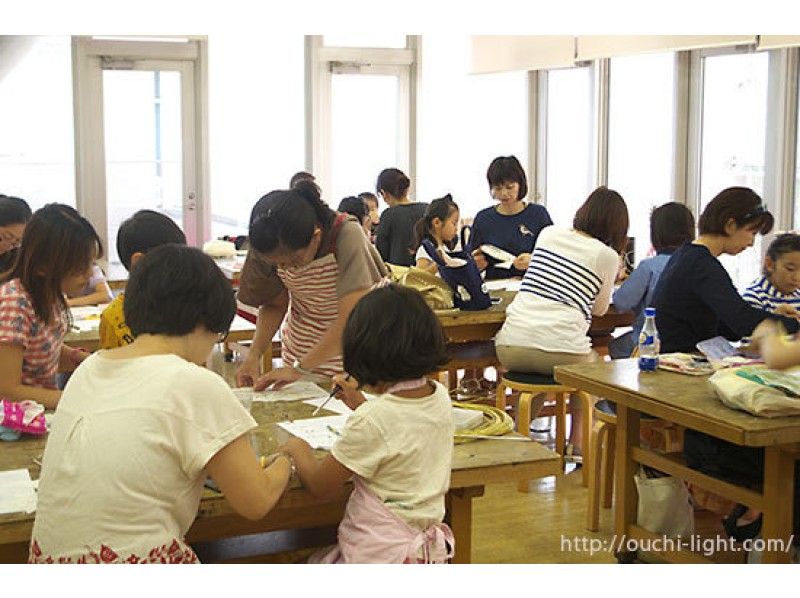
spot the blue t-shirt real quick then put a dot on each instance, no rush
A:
(515, 234)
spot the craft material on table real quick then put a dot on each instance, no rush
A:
(296, 391)
(18, 493)
(319, 432)
(504, 284)
(506, 259)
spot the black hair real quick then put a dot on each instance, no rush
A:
(783, 244)
(440, 208)
(507, 169)
(144, 231)
(58, 242)
(740, 204)
(604, 216)
(301, 176)
(399, 314)
(354, 206)
(369, 196)
(394, 182)
(173, 288)
(287, 218)
(14, 210)
(671, 225)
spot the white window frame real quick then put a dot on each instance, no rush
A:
(191, 58)
(323, 61)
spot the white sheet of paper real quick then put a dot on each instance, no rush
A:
(504, 284)
(17, 494)
(319, 432)
(296, 391)
(498, 254)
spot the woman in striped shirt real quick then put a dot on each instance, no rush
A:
(570, 278)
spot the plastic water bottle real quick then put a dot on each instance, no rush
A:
(649, 343)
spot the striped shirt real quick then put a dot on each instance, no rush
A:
(570, 277)
(763, 295)
(41, 344)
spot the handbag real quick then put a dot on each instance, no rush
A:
(757, 390)
(469, 290)
(436, 292)
(665, 506)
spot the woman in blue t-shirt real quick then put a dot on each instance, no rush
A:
(512, 225)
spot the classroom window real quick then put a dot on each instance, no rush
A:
(256, 122)
(365, 40)
(36, 122)
(733, 139)
(570, 147)
(465, 122)
(641, 138)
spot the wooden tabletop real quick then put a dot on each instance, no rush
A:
(686, 400)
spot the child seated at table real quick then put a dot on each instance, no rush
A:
(140, 233)
(440, 226)
(671, 225)
(14, 215)
(397, 447)
(140, 427)
(58, 250)
(780, 283)
(94, 292)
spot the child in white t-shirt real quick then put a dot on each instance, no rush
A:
(398, 447)
(440, 226)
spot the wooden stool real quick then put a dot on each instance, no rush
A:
(601, 467)
(478, 354)
(530, 385)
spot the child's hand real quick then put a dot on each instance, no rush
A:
(522, 261)
(480, 259)
(766, 329)
(248, 372)
(76, 357)
(349, 394)
(295, 447)
(786, 310)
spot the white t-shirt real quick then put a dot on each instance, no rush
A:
(422, 253)
(570, 278)
(403, 449)
(123, 469)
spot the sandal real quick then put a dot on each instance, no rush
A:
(570, 456)
(744, 532)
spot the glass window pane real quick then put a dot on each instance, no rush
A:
(570, 153)
(733, 144)
(465, 122)
(143, 141)
(37, 159)
(364, 132)
(365, 40)
(256, 122)
(641, 137)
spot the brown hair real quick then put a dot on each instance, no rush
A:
(740, 204)
(604, 216)
(58, 242)
(393, 181)
(671, 225)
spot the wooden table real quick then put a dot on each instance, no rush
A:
(89, 340)
(475, 465)
(468, 326)
(690, 402)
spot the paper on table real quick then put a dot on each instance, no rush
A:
(319, 432)
(18, 494)
(504, 284)
(296, 391)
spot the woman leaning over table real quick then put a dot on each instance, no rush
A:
(695, 300)
(311, 265)
(139, 428)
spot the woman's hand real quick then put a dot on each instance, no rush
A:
(480, 259)
(248, 372)
(349, 393)
(522, 261)
(277, 378)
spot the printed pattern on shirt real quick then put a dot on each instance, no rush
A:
(763, 295)
(557, 278)
(175, 553)
(41, 344)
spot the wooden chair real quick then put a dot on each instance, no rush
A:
(530, 385)
(601, 466)
(478, 354)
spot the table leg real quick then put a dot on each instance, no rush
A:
(778, 504)
(625, 468)
(459, 517)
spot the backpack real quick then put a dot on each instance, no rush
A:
(436, 292)
(469, 290)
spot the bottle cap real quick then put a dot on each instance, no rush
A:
(649, 312)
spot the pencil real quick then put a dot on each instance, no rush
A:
(336, 389)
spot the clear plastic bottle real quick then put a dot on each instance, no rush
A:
(649, 343)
